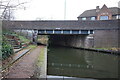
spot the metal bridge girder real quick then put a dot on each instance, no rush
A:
(65, 32)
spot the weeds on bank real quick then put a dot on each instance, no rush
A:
(113, 49)
(32, 46)
(41, 57)
(23, 39)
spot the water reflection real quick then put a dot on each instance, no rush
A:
(79, 63)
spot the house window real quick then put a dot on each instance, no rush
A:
(84, 18)
(92, 18)
(118, 17)
(104, 18)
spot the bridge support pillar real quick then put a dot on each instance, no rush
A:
(35, 34)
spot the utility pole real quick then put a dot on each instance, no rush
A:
(119, 4)
(65, 10)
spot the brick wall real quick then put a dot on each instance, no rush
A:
(106, 38)
(104, 12)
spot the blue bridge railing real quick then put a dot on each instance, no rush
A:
(65, 32)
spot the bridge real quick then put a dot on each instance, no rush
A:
(103, 30)
(48, 32)
(63, 25)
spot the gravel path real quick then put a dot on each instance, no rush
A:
(24, 68)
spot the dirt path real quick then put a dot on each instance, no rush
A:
(24, 68)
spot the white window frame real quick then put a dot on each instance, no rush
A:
(93, 18)
(104, 16)
(84, 18)
(117, 16)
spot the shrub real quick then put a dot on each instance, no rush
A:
(6, 49)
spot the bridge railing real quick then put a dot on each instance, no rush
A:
(65, 32)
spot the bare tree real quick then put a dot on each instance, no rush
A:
(6, 8)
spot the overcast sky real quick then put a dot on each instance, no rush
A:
(54, 9)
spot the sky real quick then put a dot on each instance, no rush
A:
(54, 9)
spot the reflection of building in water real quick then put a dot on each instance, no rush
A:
(102, 63)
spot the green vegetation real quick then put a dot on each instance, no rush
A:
(102, 48)
(41, 57)
(113, 49)
(6, 49)
(23, 39)
(43, 39)
(32, 46)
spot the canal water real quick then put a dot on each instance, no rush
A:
(69, 62)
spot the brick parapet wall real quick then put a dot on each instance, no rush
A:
(104, 24)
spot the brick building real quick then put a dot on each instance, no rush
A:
(104, 13)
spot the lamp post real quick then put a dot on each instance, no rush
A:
(64, 9)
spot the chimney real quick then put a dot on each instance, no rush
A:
(97, 8)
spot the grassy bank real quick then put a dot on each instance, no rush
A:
(41, 64)
(110, 49)
(41, 57)
(23, 39)
(32, 46)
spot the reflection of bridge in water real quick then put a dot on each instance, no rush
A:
(70, 65)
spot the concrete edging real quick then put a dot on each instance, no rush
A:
(16, 59)
(100, 50)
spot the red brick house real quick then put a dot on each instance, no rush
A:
(104, 13)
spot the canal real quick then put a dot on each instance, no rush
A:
(69, 62)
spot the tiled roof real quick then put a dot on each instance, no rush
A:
(115, 10)
(88, 13)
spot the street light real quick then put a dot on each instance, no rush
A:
(65, 10)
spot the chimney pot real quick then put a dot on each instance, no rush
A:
(97, 8)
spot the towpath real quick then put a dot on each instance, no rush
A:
(24, 67)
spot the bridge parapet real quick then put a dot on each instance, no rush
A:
(65, 25)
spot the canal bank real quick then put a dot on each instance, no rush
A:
(106, 51)
(41, 64)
